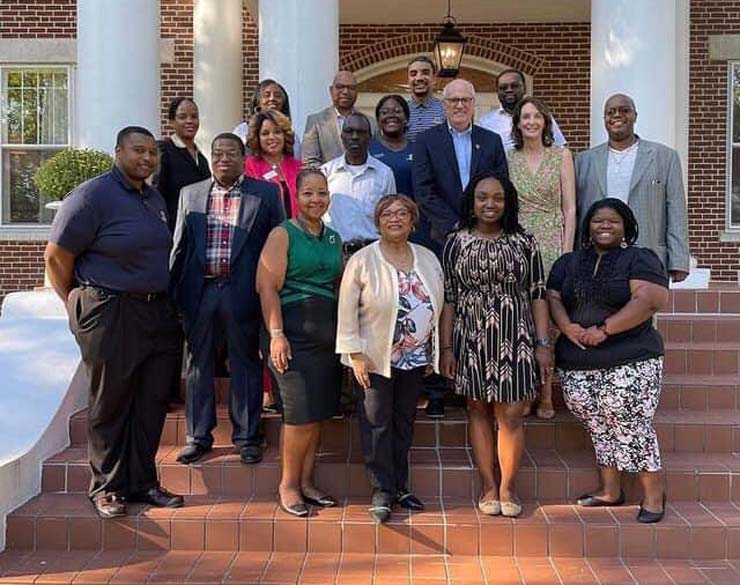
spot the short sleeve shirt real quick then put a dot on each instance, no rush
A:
(591, 298)
(118, 234)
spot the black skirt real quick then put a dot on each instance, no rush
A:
(310, 387)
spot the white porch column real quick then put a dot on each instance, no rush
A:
(217, 67)
(118, 69)
(299, 48)
(641, 49)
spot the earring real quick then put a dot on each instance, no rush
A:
(623, 244)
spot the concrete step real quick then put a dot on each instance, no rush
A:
(448, 526)
(545, 474)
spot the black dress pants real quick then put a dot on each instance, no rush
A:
(129, 347)
(386, 413)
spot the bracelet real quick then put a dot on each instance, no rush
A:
(544, 342)
(276, 333)
(601, 326)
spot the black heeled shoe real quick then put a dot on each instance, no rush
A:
(648, 517)
(589, 501)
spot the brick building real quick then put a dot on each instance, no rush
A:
(56, 91)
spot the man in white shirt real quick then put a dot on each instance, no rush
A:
(510, 86)
(356, 182)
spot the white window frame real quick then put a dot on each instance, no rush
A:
(733, 229)
(23, 231)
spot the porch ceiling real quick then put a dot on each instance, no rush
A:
(432, 11)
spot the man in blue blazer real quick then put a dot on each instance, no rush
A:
(446, 157)
(222, 224)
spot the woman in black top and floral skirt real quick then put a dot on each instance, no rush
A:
(610, 357)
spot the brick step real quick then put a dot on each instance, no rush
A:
(718, 299)
(322, 568)
(690, 530)
(702, 358)
(680, 431)
(697, 393)
(699, 328)
(545, 474)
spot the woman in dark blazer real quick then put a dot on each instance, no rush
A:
(181, 163)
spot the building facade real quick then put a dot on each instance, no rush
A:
(74, 71)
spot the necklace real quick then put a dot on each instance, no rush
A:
(306, 230)
(618, 156)
(404, 263)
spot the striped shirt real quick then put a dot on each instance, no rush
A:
(424, 115)
(222, 217)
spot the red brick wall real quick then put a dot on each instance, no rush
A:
(708, 101)
(562, 51)
(38, 18)
(21, 266)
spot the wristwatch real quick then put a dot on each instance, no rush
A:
(601, 326)
(544, 342)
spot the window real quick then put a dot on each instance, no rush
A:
(34, 124)
(734, 155)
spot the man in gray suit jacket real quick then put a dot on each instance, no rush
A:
(645, 175)
(322, 141)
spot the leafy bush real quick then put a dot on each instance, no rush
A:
(61, 173)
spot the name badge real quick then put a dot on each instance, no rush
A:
(269, 175)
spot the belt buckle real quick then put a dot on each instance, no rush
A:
(149, 297)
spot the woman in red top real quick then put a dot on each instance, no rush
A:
(271, 140)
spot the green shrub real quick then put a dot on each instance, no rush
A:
(61, 173)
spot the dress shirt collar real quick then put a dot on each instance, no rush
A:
(456, 132)
(425, 103)
(177, 141)
(370, 163)
(228, 188)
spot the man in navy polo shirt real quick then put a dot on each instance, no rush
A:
(108, 259)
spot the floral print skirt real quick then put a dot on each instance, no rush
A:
(617, 406)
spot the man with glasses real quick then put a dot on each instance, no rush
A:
(645, 175)
(222, 224)
(511, 87)
(445, 158)
(425, 109)
(322, 139)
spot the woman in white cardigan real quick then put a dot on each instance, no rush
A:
(389, 306)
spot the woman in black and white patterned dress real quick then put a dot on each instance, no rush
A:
(610, 357)
(494, 330)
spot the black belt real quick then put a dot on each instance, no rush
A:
(145, 297)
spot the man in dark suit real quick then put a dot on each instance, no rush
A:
(445, 158)
(221, 227)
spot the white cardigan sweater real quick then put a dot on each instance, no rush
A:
(368, 305)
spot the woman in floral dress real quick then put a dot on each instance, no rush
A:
(543, 175)
(390, 302)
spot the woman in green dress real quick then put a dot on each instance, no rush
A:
(544, 177)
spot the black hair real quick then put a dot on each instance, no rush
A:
(175, 103)
(357, 114)
(131, 130)
(229, 136)
(423, 59)
(510, 220)
(258, 91)
(306, 172)
(631, 229)
(519, 73)
(399, 99)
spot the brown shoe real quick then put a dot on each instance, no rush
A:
(110, 505)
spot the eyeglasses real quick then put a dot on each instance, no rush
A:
(621, 110)
(398, 214)
(464, 101)
(390, 111)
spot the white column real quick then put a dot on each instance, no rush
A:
(117, 69)
(641, 49)
(217, 67)
(299, 48)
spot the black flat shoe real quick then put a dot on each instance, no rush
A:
(250, 454)
(648, 517)
(589, 501)
(299, 510)
(325, 501)
(407, 500)
(159, 498)
(191, 453)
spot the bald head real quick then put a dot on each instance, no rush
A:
(620, 116)
(343, 90)
(619, 97)
(459, 99)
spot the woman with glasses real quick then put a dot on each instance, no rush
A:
(390, 302)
